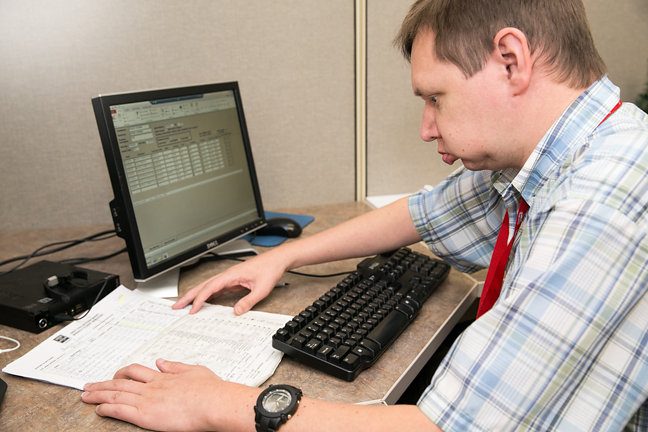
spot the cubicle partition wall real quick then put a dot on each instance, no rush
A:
(324, 127)
(293, 59)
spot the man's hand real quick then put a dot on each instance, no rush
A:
(182, 397)
(259, 275)
(178, 397)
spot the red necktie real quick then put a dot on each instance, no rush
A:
(495, 275)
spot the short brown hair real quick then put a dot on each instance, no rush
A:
(464, 31)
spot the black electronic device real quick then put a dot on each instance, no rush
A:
(182, 174)
(349, 327)
(39, 296)
(3, 389)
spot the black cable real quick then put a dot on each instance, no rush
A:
(66, 317)
(234, 258)
(322, 275)
(77, 261)
(66, 244)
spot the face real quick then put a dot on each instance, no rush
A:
(466, 116)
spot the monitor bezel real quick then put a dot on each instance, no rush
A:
(121, 207)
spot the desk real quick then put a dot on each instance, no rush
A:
(32, 405)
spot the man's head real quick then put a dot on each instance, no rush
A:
(495, 74)
(556, 30)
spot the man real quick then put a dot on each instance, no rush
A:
(515, 90)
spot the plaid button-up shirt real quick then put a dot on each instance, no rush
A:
(566, 345)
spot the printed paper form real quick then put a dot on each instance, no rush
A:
(128, 326)
(215, 337)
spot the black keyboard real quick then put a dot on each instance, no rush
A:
(348, 328)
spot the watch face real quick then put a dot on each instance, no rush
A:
(277, 400)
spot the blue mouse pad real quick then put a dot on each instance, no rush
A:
(273, 240)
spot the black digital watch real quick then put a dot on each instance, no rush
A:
(275, 406)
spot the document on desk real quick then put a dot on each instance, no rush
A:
(130, 327)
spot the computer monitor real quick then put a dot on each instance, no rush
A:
(182, 174)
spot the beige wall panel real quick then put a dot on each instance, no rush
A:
(398, 161)
(620, 30)
(294, 61)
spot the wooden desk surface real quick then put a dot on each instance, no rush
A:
(33, 405)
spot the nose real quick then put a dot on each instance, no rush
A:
(429, 131)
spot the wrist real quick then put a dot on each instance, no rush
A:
(234, 408)
(285, 257)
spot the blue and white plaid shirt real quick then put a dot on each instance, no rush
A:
(566, 345)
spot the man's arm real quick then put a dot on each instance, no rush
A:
(387, 228)
(185, 397)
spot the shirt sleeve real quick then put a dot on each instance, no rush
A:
(566, 348)
(459, 219)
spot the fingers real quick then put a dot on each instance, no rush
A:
(248, 302)
(188, 297)
(136, 372)
(203, 295)
(200, 294)
(120, 385)
(172, 367)
(131, 378)
(128, 380)
(197, 296)
(122, 392)
(127, 413)
(114, 399)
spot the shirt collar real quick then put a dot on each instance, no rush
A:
(566, 134)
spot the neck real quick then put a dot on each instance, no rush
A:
(540, 107)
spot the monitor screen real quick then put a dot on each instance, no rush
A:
(181, 170)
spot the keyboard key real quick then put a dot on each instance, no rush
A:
(292, 327)
(325, 351)
(350, 361)
(405, 309)
(298, 341)
(312, 345)
(321, 336)
(411, 304)
(339, 354)
(389, 328)
(362, 352)
(370, 346)
(306, 334)
(335, 342)
(320, 305)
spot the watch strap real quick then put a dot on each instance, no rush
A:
(268, 424)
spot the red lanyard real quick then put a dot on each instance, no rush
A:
(495, 275)
(616, 107)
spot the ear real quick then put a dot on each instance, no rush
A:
(513, 53)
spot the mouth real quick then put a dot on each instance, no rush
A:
(448, 158)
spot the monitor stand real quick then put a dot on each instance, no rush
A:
(165, 285)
